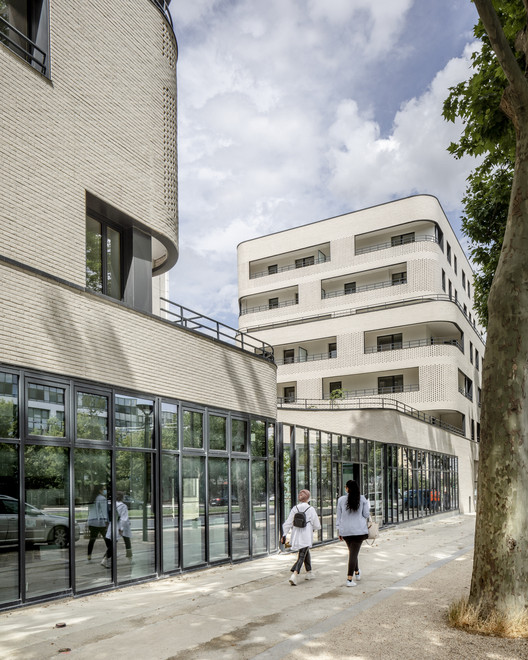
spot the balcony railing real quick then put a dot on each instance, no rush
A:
(367, 403)
(389, 244)
(374, 391)
(308, 358)
(364, 287)
(28, 50)
(163, 6)
(416, 343)
(204, 325)
(283, 269)
(465, 393)
(263, 308)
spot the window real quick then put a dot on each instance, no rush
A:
(472, 430)
(217, 432)
(289, 394)
(469, 290)
(465, 309)
(477, 364)
(401, 239)
(24, 29)
(350, 287)
(463, 279)
(448, 253)
(455, 264)
(288, 356)
(443, 280)
(471, 352)
(333, 387)
(456, 296)
(8, 405)
(239, 435)
(332, 350)
(103, 258)
(273, 303)
(399, 278)
(389, 342)
(193, 429)
(92, 417)
(45, 410)
(390, 384)
(273, 269)
(304, 261)
(450, 289)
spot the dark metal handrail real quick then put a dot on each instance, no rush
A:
(416, 343)
(163, 6)
(367, 403)
(204, 325)
(20, 50)
(384, 246)
(364, 287)
(373, 391)
(262, 308)
(465, 393)
(283, 269)
(308, 358)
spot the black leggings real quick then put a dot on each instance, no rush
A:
(303, 558)
(94, 533)
(354, 546)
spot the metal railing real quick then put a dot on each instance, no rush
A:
(25, 51)
(329, 355)
(465, 393)
(262, 308)
(367, 403)
(364, 287)
(374, 391)
(416, 343)
(389, 244)
(163, 6)
(283, 269)
(204, 325)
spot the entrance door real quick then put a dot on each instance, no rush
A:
(352, 471)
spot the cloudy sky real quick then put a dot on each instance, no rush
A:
(292, 111)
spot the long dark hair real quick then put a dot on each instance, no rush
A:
(353, 496)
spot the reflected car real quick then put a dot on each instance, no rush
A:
(132, 503)
(222, 500)
(41, 527)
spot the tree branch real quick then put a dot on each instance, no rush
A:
(502, 49)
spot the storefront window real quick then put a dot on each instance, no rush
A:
(170, 511)
(134, 421)
(45, 410)
(239, 430)
(8, 405)
(219, 509)
(258, 503)
(9, 523)
(217, 433)
(258, 438)
(240, 508)
(169, 426)
(193, 509)
(92, 417)
(193, 429)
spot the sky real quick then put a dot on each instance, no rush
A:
(292, 111)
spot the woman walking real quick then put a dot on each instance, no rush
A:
(303, 520)
(353, 511)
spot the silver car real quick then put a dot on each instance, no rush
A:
(41, 527)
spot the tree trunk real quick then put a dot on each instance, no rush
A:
(500, 571)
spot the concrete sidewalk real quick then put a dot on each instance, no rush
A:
(410, 576)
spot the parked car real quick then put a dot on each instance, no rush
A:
(41, 527)
(132, 503)
(222, 500)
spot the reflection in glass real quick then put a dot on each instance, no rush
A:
(169, 425)
(134, 421)
(217, 433)
(240, 508)
(92, 417)
(170, 511)
(47, 524)
(9, 590)
(134, 481)
(258, 438)
(315, 483)
(326, 487)
(94, 268)
(288, 431)
(301, 452)
(8, 405)
(258, 505)
(193, 429)
(45, 410)
(193, 508)
(113, 263)
(271, 507)
(239, 428)
(218, 509)
(271, 440)
(91, 486)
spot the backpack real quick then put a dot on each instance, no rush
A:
(299, 518)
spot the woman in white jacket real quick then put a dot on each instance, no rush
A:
(301, 537)
(353, 512)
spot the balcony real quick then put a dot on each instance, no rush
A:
(467, 393)
(328, 355)
(287, 267)
(416, 343)
(390, 244)
(287, 261)
(269, 306)
(365, 287)
(23, 46)
(373, 391)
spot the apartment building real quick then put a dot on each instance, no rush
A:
(106, 392)
(370, 317)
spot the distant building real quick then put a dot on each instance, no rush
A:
(371, 320)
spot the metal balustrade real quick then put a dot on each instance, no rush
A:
(263, 308)
(26, 50)
(283, 269)
(374, 391)
(416, 343)
(364, 287)
(163, 6)
(389, 244)
(204, 325)
(364, 404)
(329, 355)
(465, 393)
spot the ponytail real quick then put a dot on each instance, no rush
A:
(353, 497)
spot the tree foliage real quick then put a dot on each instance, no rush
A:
(487, 133)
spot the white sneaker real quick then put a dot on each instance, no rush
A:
(105, 563)
(309, 576)
(293, 580)
(358, 576)
(351, 583)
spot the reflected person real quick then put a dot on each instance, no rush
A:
(97, 517)
(123, 529)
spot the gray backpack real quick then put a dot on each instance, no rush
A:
(299, 518)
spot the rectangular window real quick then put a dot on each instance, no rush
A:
(103, 258)
(193, 429)
(456, 296)
(46, 410)
(289, 356)
(134, 421)
(448, 253)
(239, 435)
(258, 438)
(332, 350)
(273, 303)
(390, 384)
(389, 342)
(24, 29)
(399, 278)
(289, 394)
(92, 417)
(450, 289)
(305, 261)
(443, 280)
(8, 405)
(350, 287)
(335, 386)
(469, 290)
(272, 269)
(477, 364)
(402, 239)
(169, 426)
(217, 433)
(455, 264)
(463, 280)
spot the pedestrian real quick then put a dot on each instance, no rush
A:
(353, 512)
(123, 529)
(302, 522)
(97, 517)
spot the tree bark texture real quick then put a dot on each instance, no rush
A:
(500, 570)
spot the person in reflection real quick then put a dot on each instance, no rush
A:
(97, 517)
(353, 512)
(302, 527)
(123, 529)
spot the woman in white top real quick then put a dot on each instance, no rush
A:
(123, 528)
(301, 537)
(353, 511)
